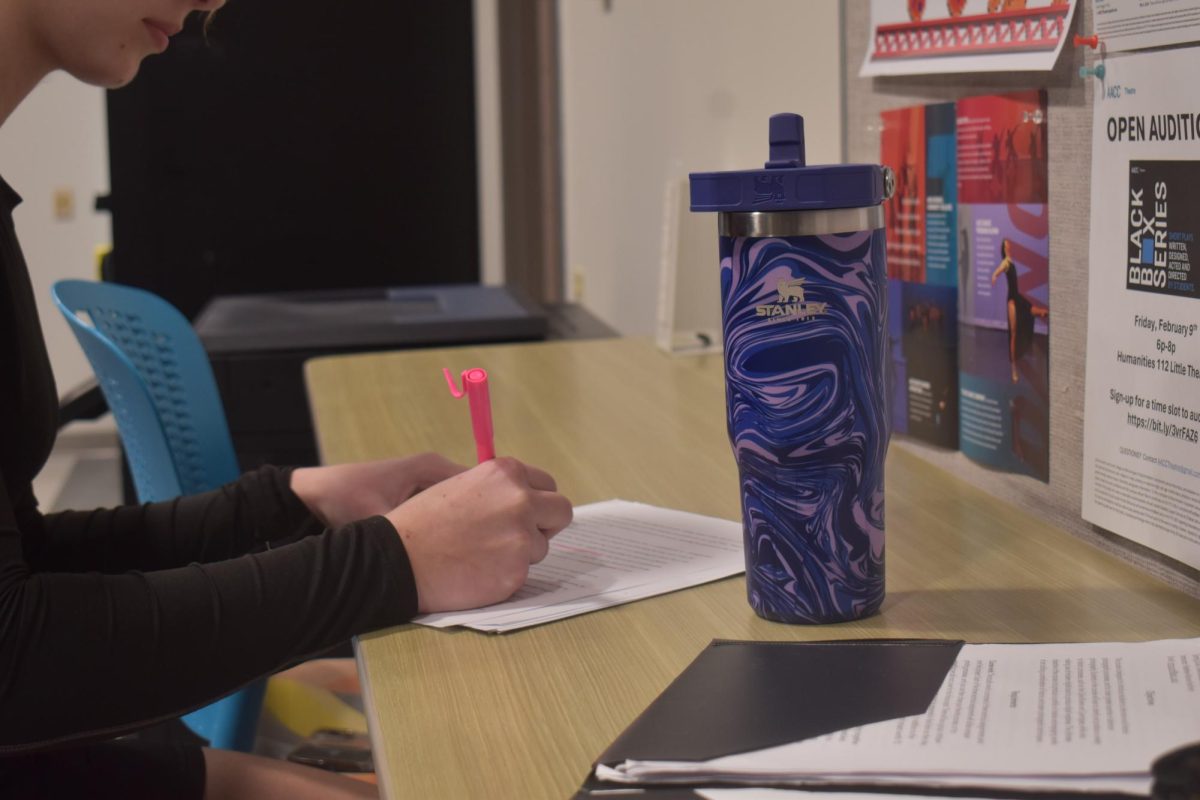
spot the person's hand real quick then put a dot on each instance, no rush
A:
(344, 493)
(471, 538)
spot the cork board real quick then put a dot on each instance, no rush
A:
(1070, 137)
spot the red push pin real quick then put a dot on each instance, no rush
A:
(1092, 41)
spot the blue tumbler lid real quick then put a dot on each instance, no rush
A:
(786, 183)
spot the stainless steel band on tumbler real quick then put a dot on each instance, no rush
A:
(818, 222)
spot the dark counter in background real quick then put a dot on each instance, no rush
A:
(258, 344)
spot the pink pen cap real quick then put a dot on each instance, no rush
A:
(475, 387)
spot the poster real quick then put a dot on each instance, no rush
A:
(1141, 427)
(915, 37)
(1134, 24)
(918, 144)
(1004, 282)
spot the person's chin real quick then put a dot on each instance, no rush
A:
(111, 75)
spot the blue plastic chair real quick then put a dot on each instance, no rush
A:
(159, 384)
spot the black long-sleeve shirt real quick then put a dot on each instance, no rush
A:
(114, 619)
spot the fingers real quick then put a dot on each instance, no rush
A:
(539, 541)
(436, 468)
(551, 512)
(533, 477)
(539, 547)
(471, 542)
(548, 510)
(540, 479)
(440, 467)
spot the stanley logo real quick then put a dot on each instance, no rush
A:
(793, 291)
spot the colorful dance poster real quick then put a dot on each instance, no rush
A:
(1004, 281)
(918, 144)
(1141, 424)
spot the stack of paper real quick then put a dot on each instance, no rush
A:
(613, 552)
(1073, 717)
(761, 793)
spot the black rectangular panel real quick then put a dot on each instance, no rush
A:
(300, 145)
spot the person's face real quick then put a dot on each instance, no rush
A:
(103, 42)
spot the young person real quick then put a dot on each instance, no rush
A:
(112, 620)
(1020, 310)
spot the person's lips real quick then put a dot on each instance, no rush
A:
(161, 32)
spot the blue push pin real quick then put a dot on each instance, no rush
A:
(1097, 70)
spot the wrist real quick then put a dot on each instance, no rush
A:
(306, 485)
(402, 534)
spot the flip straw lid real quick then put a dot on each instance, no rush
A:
(786, 183)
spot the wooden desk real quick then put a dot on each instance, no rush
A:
(460, 714)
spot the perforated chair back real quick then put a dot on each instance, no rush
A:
(157, 380)
(141, 340)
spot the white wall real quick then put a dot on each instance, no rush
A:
(654, 89)
(55, 140)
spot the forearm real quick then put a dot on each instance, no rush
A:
(90, 655)
(255, 512)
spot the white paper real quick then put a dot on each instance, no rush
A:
(612, 553)
(601, 600)
(1134, 24)
(1083, 715)
(796, 794)
(1107, 785)
(1141, 427)
(974, 40)
(1104, 785)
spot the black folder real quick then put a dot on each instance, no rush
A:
(736, 697)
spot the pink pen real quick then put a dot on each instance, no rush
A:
(475, 387)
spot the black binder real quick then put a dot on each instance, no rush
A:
(737, 697)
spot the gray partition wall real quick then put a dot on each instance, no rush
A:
(1070, 137)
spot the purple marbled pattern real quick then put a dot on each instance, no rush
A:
(804, 367)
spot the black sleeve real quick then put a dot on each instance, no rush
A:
(257, 511)
(90, 655)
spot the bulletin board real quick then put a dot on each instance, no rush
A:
(1069, 120)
